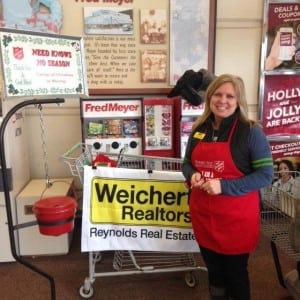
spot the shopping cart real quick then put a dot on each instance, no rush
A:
(280, 222)
(131, 262)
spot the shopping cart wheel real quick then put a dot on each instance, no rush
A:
(86, 293)
(191, 279)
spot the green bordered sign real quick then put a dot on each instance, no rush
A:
(35, 64)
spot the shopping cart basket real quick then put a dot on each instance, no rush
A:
(280, 222)
(130, 262)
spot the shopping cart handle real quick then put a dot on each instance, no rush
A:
(72, 150)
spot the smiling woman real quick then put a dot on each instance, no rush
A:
(223, 103)
(225, 185)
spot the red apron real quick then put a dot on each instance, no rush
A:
(222, 223)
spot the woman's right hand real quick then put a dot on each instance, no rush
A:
(196, 180)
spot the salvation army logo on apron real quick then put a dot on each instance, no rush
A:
(18, 53)
(219, 166)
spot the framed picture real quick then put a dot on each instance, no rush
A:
(109, 20)
(153, 66)
(153, 26)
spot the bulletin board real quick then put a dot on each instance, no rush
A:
(142, 55)
(131, 46)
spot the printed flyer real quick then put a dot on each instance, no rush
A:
(283, 37)
(289, 150)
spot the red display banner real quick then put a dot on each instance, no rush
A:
(281, 106)
(283, 35)
(289, 150)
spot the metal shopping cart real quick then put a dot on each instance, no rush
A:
(280, 222)
(131, 262)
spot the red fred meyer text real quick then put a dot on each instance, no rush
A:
(111, 107)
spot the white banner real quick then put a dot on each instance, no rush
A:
(130, 209)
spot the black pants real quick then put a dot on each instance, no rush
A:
(229, 272)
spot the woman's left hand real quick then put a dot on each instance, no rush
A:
(212, 186)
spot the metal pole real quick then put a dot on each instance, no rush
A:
(6, 187)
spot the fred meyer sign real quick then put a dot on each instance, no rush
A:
(111, 108)
(126, 209)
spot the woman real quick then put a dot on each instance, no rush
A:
(227, 161)
(286, 181)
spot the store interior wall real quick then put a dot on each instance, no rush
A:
(237, 50)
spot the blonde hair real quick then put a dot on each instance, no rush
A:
(240, 91)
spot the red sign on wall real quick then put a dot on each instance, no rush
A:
(281, 106)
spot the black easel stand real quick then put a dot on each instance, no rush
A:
(6, 188)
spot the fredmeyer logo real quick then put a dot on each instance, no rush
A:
(139, 202)
(111, 107)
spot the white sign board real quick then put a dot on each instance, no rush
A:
(36, 64)
(130, 209)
